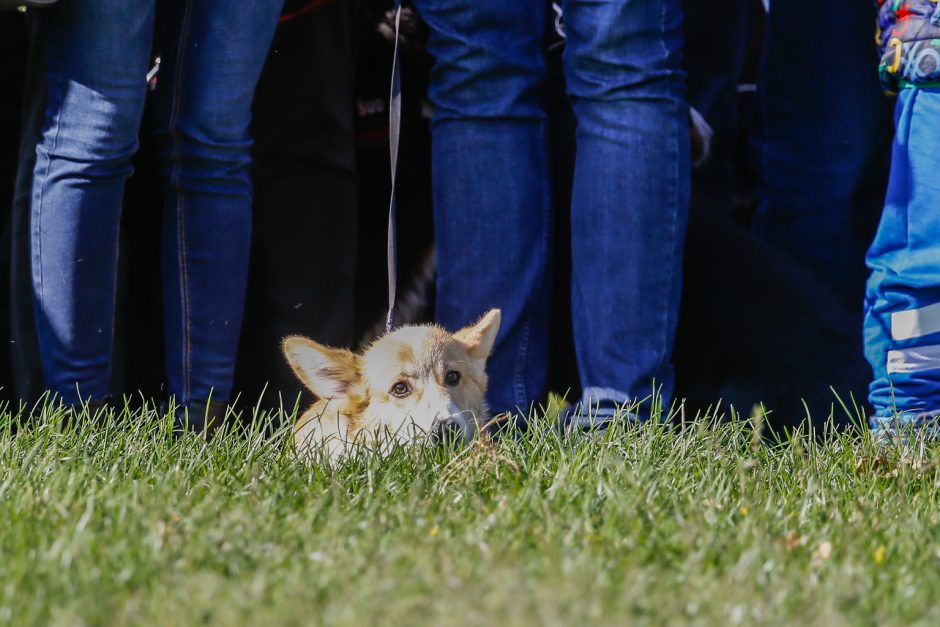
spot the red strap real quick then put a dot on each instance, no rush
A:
(307, 8)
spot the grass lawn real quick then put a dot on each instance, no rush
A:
(121, 524)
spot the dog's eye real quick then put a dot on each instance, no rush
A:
(452, 377)
(400, 389)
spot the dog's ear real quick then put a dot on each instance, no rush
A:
(480, 336)
(327, 372)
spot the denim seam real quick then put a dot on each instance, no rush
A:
(180, 203)
(542, 284)
(673, 217)
(577, 292)
(520, 365)
(522, 397)
(37, 228)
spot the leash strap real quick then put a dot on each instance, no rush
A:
(394, 133)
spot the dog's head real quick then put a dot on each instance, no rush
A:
(415, 380)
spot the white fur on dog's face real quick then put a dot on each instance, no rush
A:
(406, 384)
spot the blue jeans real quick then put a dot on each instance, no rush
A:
(631, 187)
(902, 306)
(98, 54)
(826, 127)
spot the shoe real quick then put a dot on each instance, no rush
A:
(904, 428)
(203, 417)
(595, 417)
(95, 411)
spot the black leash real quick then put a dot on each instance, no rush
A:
(394, 134)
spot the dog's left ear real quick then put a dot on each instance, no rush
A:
(480, 336)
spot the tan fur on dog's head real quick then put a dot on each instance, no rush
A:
(415, 380)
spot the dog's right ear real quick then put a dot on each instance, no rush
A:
(480, 336)
(327, 372)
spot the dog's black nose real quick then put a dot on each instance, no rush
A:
(446, 430)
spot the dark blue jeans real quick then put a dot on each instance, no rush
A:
(631, 186)
(98, 53)
(827, 135)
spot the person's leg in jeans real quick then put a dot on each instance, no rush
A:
(902, 308)
(490, 182)
(213, 59)
(97, 53)
(630, 197)
(826, 136)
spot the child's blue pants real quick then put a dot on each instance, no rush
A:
(902, 303)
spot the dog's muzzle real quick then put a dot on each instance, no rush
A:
(447, 430)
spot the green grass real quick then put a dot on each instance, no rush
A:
(120, 524)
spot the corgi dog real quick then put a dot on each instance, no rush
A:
(414, 381)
